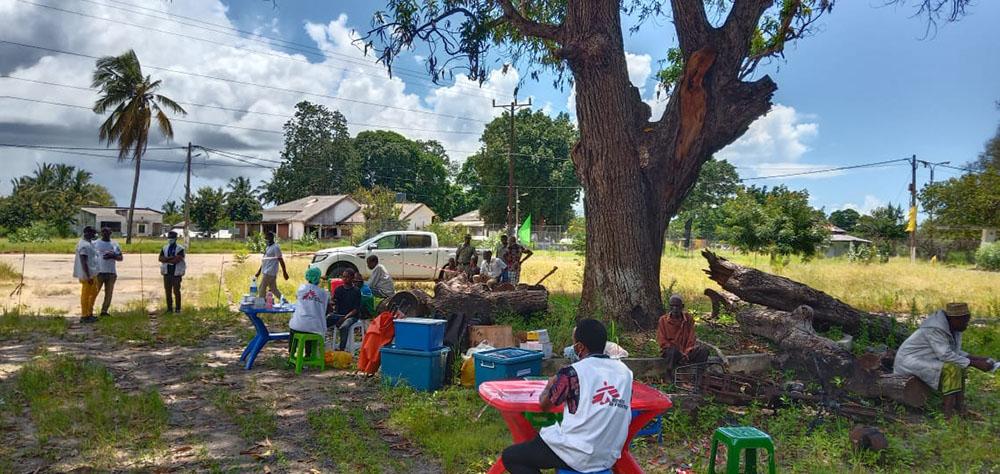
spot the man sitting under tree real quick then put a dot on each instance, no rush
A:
(675, 334)
(379, 280)
(596, 394)
(934, 354)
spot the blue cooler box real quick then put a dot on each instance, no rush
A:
(507, 363)
(419, 334)
(422, 370)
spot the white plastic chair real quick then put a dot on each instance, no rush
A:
(355, 341)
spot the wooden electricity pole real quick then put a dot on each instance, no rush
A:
(513, 106)
(187, 202)
(913, 205)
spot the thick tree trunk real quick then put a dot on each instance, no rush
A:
(456, 297)
(781, 293)
(688, 224)
(131, 203)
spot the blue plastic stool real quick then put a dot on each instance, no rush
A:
(654, 427)
(570, 471)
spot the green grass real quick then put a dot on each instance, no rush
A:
(17, 324)
(76, 401)
(131, 325)
(448, 425)
(256, 420)
(192, 326)
(346, 437)
(151, 245)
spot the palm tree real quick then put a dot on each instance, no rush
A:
(134, 101)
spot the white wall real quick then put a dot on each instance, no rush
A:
(420, 219)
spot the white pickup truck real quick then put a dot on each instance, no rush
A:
(407, 255)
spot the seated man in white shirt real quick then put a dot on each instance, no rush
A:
(310, 310)
(596, 394)
(491, 268)
(379, 280)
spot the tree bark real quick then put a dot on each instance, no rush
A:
(131, 203)
(784, 294)
(688, 224)
(455, 297)
(801, 348)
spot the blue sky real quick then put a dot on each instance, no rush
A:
(868, 87)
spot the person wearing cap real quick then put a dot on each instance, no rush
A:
(310, 310)
(85, 269)
(676, 337)
(933, 353)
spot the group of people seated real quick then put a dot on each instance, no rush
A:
(501, 266)
(353, 300)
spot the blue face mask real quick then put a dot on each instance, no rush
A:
(172, 241)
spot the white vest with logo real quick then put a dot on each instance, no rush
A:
(178, 267)
(592, 438)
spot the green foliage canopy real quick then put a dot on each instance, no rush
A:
(52, 194)
(242, 204)
(779, 222)
(208, 209)
(846, 219)
(972, 199)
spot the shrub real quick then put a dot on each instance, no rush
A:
(309, 239)
(256, 243)
(861, 254)
(988, 257)
(37, 232)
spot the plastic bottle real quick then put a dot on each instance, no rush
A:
(269, 301)
(253, 286)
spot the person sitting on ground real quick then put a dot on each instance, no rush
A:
(449, 270)
(379, 280)
(310, 310)
(675, 334)
(491, 268)
(933, 353)
(596, 394)
(472, 271)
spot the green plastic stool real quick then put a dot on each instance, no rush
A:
(738, 438)
(541, 420)
(298, 357)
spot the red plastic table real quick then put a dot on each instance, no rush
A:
(514, 397)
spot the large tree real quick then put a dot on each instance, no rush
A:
(779, 222)
(846, 219)
(543, 172)
(885, 226)
(208, 210)
(319, 156)
(419, 169)
(134, 104)
(53, 193)
(635, 169)
(970, 200)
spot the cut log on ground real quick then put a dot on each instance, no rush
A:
(458, 297)
(801, 348)
(869, 380)
(784, 294)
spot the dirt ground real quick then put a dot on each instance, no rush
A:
(199, 436)
(49, 282)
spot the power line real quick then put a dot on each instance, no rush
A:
(255, 112)
(247, 83)
(290, 45)
(146, 28)
(827, 170)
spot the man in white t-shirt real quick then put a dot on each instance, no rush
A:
(491, 268)
(108, 252)
(269, 267)
(85, 270)
(596, 394)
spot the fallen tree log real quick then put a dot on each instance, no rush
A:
(800, 347)
(780, 293)
(459, 297)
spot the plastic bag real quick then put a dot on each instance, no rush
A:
(338, 359)
(615, 351)
(468, 372)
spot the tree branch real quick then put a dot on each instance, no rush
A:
(528, 27)
(741, 24)
(691, 24)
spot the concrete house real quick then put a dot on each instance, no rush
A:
(146, 222)
(840, 242)
(473, 223)
(322, 215)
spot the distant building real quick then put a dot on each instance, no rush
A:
(146, 222)
(474, 225)
(840, 242)
(328, 217)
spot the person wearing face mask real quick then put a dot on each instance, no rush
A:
(596, 394)
(85, 269)
(172, 268)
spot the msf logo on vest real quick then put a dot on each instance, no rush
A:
(608, 394)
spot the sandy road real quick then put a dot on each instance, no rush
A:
(49, 282)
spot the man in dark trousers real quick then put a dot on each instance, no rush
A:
(464, 253)
(596, 394)
(172, 268)
(347, 304)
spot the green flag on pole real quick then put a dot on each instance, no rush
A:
(524, 232)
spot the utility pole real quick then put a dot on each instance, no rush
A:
(187, 202)
(913, 205)
(513, 106)
(930, 165)
(930, 233)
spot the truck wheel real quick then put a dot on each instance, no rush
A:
(337, 270)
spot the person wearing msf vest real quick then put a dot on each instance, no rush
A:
(172, 268)
(596, 394)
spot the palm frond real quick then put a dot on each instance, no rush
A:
(170, 104)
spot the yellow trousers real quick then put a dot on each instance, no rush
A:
(88, 295)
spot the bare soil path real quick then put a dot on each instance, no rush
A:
(201, 435)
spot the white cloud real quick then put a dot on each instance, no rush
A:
(870, 203)
(344, 72)
(778, 139)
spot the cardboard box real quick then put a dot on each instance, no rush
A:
(544, 347)
(496, 336)
(540, 335)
